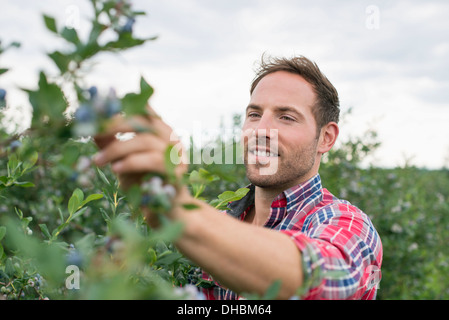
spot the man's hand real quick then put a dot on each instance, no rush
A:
(144, 153)
(133, 158)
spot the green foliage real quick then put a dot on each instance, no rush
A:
(228, 196)
(410, 210)
(75, 214)
(58, 211)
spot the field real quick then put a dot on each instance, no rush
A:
(408, 206)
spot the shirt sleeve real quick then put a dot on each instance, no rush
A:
(341, 252)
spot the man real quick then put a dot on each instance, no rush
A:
(287, 227)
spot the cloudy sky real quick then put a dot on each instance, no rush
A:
(388, 59)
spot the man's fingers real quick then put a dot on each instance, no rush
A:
(103, 140)
(136, 124)
(129, 180)
(151, 112)
(144, 153)
(148, 162)
(144, 162)
(117, 149)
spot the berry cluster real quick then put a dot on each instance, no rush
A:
(91, 113)
(19, 289)
(2, 98)
(156, 195)
(128, 26)
(74, 257)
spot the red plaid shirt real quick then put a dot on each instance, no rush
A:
(341, 249)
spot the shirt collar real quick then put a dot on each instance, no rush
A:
(291, 199)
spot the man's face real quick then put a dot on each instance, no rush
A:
(280, 132)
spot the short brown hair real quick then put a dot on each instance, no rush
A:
(327, 106)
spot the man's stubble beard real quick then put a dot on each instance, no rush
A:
(289, 171)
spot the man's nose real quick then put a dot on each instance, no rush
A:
(264, 127)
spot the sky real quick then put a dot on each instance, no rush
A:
(388, 59)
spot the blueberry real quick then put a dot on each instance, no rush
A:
(84, 114)
(15, 145)
(93, 92)
(170, 191)
(113, 107)
(128, 27)
(74, 258)
(2, 94)
(146, 199)
(74, 176)
(2, 98)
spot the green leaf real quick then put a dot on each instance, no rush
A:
(61, 60)
(45, 230)
(13, 165)
(202, 176)
(172, 159)
(71, 36)
(71, 154)
(168, 258)
(229, 196)
(77, 214)
(24, 184)
(19, 213)
(49, 104)
(9, 268)
(79, 194)
(92, 47)
(139, 13)
(134, 196)
(50, 23)
(90, 198)
(57, 231)
(15, 44)
(273, 291)
(105, 215)
(169, 232)
(61, 215)
(2, 232)
(103, 177)
(3, 70)
(48, 259)
(74, 204)
(125, 41)
(190, 206)
(199, 180)
(136, 104)
(30, 162)
(145, 88)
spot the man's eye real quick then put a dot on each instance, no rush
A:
(253, 115)
(287, 118)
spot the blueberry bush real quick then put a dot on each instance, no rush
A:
(68, 231)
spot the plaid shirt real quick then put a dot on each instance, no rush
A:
(341, 249)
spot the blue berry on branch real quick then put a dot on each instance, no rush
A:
(2, 94)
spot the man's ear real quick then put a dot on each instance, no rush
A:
(328, 137)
